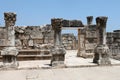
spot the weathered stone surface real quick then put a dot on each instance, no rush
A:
(102, 50)
(102, 55)
(58, 56)
(10, 18)
(58, 52)
(76, 23)
(34, 37)
(69, 41)
(3, 42)
(91, 34)
(10, 52)
(81, 43)
(89, 20)
(72, 23)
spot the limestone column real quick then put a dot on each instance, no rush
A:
(74, 43)
(79, 45)
(101, 51)
(10, 52)
(58, 52)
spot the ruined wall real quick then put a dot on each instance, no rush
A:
(33, 36)
(69, 41)
(91, 38)
(28, 37)
(113, 41)
(3, 37)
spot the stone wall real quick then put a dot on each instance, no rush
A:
(69, 41)
(113, 41)
(3, 37)
(91, 38)
(31, 37)
(34, 36)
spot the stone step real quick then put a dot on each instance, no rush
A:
(34, 52)
(31, 57)
(24, 55)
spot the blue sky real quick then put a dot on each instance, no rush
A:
(39, 12)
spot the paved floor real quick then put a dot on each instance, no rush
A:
(89, 73)
(27, 70)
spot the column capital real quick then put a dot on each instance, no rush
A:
(89, 20)
(56, 23)
(101, 21)
(9, 18)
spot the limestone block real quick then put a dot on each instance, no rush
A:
(91, 34)
(9, 51)
(90, 46)
(58, 56)
(30, 43)
(102, 54)
(66, 23)
(3, 34)
(76, 23)
(3, 42)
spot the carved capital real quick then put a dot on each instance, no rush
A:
(101, 21)
(56, 23)
(10, 19)
(89, 20)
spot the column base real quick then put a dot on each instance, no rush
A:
(58, 57)
(101, 55)
(9, 55)
(9, 61)
(57, 64)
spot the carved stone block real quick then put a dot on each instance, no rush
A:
(102, 55)
(58, 56)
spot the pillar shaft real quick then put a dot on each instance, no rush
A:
(57, 37)
(79, 45)
(101, 50)
(10, 19)
(10, 52)
(58, 52)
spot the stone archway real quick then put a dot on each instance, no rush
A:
(58, 53)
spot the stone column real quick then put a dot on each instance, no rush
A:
(78, 53)
(101, 50)
(58, 52)
(10, 52)
(74, 43)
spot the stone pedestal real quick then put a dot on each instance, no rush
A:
(9, 55)
(10, 52)
(101, 56)
(101, 51)
(58, 52)
(58, 56)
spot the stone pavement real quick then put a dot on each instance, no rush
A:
(71, 61)
(88, 73)
(78, 69)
